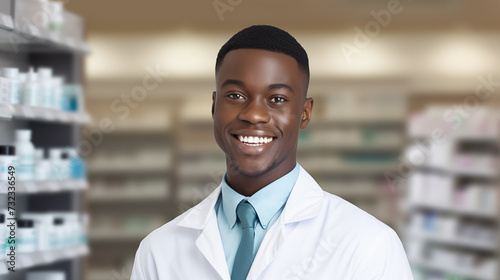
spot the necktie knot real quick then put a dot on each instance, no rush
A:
(247, 215)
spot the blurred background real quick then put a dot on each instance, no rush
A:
(405, 123)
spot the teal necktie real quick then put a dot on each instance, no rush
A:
(244, 255)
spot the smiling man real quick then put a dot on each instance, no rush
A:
(268, 219)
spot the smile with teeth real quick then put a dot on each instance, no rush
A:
(254, 140)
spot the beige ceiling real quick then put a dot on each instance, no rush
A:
(160, 15)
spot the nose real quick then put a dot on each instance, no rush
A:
(255, 111)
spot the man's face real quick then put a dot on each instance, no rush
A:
(258, 108)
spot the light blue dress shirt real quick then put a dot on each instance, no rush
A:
(268, 202)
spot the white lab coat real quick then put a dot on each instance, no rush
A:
(318, 236)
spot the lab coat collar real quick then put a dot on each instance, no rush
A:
(303, 203)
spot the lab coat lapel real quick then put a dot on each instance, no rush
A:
(203, 217)
(268, 249)
(304, 203)
(210, 245)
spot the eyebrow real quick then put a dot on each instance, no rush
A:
(233, 82)
(242, 84)
(278, 86)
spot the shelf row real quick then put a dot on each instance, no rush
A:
(9, 111)
(204, 173)
(117, 236)
(462, 136)
(304, 148)
(45, 186)
(24, 32)
(453, 270)
(487, 173)
(455, 210)
(27, 260)
(480, 245)
(316, 123)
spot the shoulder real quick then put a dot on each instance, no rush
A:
(166, 236)
(182, 231)
(374, 246)
(353, 221)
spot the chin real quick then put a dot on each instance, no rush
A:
(252, 168)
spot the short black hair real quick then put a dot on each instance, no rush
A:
(269, 38)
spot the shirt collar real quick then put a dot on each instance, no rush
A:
(266, 202)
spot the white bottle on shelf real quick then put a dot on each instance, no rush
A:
(25, 155)
(7, 158)
(31, 90)
(46, 87)
(56, 16)
(23, 79)
(26, 236)
(4, 91)
(12, 76)
(58, 85)
(43, 226)
(59, 167)
(58, 234)
(46, 275)
(42, 166)
(43, 17)
(3, 235)
(66, 165)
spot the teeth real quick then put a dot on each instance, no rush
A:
(255, 140)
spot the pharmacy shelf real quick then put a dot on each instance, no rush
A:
(9, 111)
(354, 121)
(116, 236)
(463, 136)
(32, 36)
(453, 270)
(309, 147)
(463, 172)
(137, 130)
(108, 274)
(94, 169)
(352, 170)
(483, 170)
(27, 260)
(455, 210)
(201, 149)
(6, 22)
(201, 173)
(24, 45)
(361, 192)
(45, 186)
(455, 241)
(138, 197)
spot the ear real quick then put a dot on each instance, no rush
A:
(213, 103)
(306, 112)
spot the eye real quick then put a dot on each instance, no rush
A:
(235, 96)
(278, 99)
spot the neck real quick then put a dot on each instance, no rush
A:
(248, 185)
